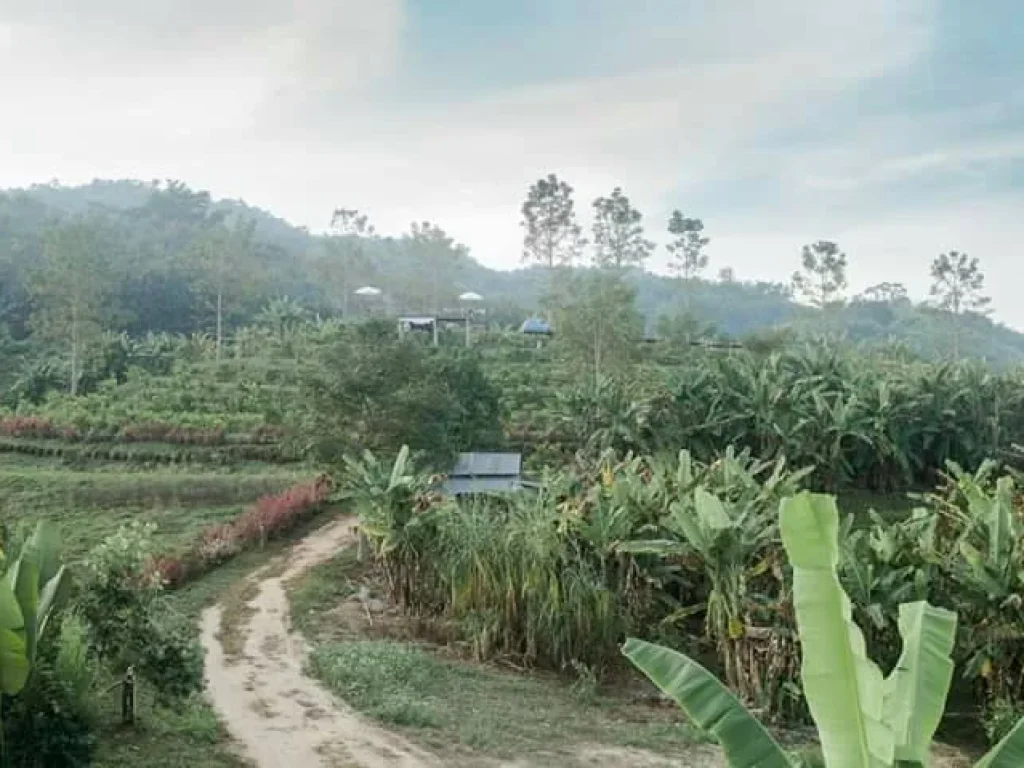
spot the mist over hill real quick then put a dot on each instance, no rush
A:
(163, 244)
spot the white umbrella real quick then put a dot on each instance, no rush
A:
(368, 290)
(470, 296)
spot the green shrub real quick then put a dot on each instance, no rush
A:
(52, 722)
(131, 622)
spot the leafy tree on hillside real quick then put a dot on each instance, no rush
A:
(439, 257)
(374, 392)
(552, 236)
(823, 276)
(597, 322)
(70, 289)
(224, 269)
(346, 254)
(727, 275)
(957, 285)
(688, 258)
(619, 240)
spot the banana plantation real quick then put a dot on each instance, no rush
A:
(730, 566)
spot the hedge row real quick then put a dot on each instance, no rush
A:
(269, 518)
(221, 455)
(42, 428)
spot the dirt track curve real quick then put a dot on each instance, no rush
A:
(283, 719)
(279, 716)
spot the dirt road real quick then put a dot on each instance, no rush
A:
(279, 716)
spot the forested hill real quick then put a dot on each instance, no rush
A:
(158, 254)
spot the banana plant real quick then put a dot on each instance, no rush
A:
(864, 720)
(31, 590)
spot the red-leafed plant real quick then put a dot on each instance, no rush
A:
(27, 426)
(269, 518)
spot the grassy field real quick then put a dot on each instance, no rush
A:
(460, 709)
(90, 504)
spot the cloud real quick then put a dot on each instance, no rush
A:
(303, 107)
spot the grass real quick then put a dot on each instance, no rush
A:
(88, 506)
(455, 707)
(443, 703)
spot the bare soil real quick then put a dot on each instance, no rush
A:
(278, 715)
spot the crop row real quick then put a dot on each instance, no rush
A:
(148, 454)
(43, 428)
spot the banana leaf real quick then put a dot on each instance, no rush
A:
(844, 689)
(916, 690)
(14, 666)
(711, 706)
(1008, 753)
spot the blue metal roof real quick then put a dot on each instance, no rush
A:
(535, 325)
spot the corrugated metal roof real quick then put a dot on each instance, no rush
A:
(487, 465)
(459, 486)
(535, 325)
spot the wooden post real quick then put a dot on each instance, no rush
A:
(128, 697)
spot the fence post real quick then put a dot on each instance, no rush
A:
(128, 697)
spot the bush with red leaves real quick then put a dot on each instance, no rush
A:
(269, 518)
(28, 426)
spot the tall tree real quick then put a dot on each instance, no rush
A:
(957, 285)
(70, 287)
(552, 236)
(224, 261)
(727, 275)
(686, 250)
(823, 276)
(440, 259)
(619, 240)
(597, 321)
(351, 228)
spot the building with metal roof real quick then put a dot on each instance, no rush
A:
(485, 473)
(534, 326)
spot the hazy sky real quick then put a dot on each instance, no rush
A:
(892, 126)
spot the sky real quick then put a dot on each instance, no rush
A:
(893, 128)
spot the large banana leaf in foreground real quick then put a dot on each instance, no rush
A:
(844, 688)
(710, 705)
(39, 582)
(14, 666)
(915, 692)
(1008, 753)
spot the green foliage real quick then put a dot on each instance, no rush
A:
(130, 621)
(379, 396)
(863, 421)
(596, 322)
(824, 273)
(619, 240)
(552, 237)
(686, 251)
(863, 719)
(455, 707)
(32, 590)
(556, 578)
(49, 723)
